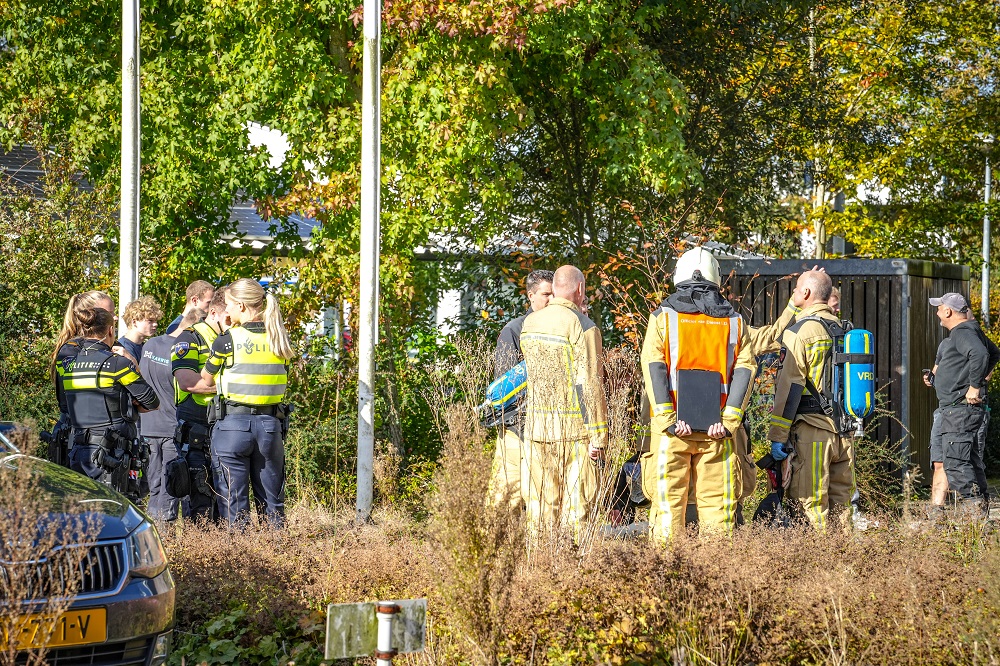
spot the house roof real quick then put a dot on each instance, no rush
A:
(23, 166)
(254, 228)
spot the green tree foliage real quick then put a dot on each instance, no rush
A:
(61, 65)
(54, 244)
(570, 124)
(902, 91)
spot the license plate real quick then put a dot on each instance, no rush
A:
(70, 628)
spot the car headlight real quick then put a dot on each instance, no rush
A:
(146, 556)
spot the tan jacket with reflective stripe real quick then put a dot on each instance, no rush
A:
(806, 346)
(565, 393)
(765, 339)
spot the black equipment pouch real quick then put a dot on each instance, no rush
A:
(193, 436)
(283, 413)
(58, 441)
(177, 477)
(199, 479)
(216, 410)
(124, 460)
(198, 437)
(180, 434)
(111, 454)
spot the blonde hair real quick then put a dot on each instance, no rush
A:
(265, 305)
(72, 325)
(95, 323)
(197, 289)
(144, 307)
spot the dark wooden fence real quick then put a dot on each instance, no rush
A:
(889, 298)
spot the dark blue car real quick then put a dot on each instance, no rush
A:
(123, 611)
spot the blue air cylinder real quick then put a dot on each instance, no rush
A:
(859, 373)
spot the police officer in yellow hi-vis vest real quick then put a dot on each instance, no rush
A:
(250, 364)
(192, 397)
(696, 351)
(104, 394)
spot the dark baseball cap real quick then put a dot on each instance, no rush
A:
(952, 300)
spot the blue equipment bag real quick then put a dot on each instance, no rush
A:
(859, 373)
(507, 388)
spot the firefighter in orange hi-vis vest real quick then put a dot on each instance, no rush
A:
(697, 365)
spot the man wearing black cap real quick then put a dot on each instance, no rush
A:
(963, 362)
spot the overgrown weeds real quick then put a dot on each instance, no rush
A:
(906, 592)
(480, 543)
(41, 559)
(889, 596)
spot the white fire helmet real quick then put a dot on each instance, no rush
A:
(697, 259)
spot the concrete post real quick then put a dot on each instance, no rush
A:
(368, 302)
(128, 264)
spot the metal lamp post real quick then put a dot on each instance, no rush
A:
(368, 302)
(987, 240)
(128, 242)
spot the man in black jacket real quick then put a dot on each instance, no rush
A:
(963, 362)
(507, 474)
(979, 450)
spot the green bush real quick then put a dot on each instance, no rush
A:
(321, 460)
(321, 451)
(52, 247)
(227, 639)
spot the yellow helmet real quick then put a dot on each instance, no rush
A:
(697, 263)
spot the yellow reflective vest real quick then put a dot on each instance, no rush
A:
(253, 375)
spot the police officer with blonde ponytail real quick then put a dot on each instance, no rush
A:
(66, 348)
(249, 364)
(104, 394)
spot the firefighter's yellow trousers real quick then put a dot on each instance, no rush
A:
(822, 475)
(748, 469)
(508, 481)
(562, 485)
(708, 468)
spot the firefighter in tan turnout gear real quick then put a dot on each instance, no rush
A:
(508, 479)
(565, 428)
(697, 362)
(818, 459)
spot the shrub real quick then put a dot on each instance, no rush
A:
(321, 460)
(52, 247)
(895, 595)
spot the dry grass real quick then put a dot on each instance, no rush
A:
(38, 531)
(901, 594)
(887, 597)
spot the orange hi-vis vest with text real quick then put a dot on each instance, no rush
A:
(700, 342)
(678, 341)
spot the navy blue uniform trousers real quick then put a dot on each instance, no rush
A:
(248, 451)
